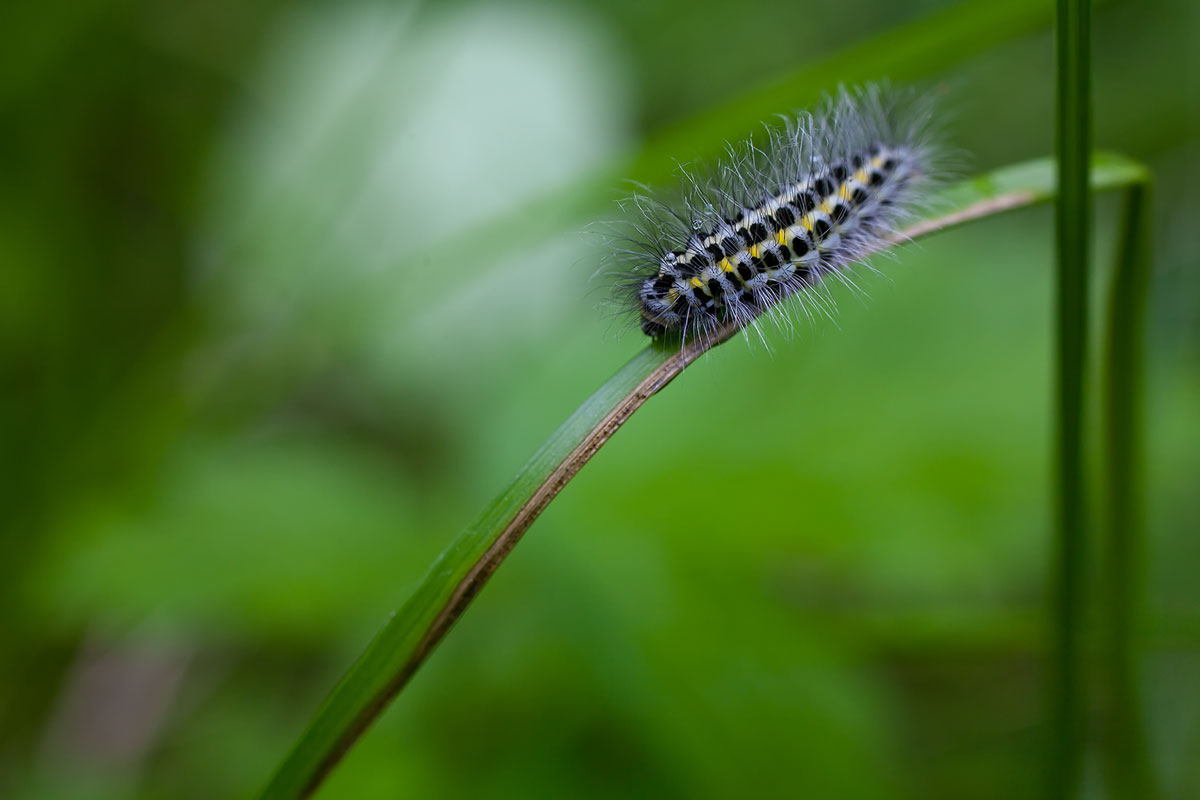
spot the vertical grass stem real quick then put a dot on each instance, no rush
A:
(1072, 218)
(1127, 761)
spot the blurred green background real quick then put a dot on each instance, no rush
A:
(289, 291)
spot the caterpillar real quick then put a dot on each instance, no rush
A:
(768, 224)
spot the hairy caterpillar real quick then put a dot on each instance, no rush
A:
(769, 223)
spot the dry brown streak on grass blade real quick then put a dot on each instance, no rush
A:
(473, 581)
(982, 208)
(479, 574)
(477, 577)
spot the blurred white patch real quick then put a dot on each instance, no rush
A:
(113, 705)
(355, 205)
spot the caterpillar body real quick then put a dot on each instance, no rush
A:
(769, 223)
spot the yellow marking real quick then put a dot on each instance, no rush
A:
(754, 251)
(845, 192)
(725, 265)
(699, 284)
(877, 161)
(671, 295)
(826, 207)
(781, 236)
(861, 176)
(806, 223)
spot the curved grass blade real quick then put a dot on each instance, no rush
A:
(404, 643)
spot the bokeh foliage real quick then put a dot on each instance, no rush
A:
(242, 418)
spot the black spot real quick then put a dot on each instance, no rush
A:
(856, 162)
(771, 259)
(806, 202)
(699, 294)
(757, 265)
(821, 228)
(715, 251)
(889, 164)
(875, 178)
(729, 246)
(700, 261)
(747, 298)
(824, 187)
(662, 283)
(839, 213)
(859, 196)
(784, 217)
(741, 215)
(758, 233)
(799, 247)
(745, 272)
(840, 172)
(784, 253)
(714, 287)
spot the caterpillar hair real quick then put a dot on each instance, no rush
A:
(769, 223)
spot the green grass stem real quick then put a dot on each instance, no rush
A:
(1068, 677)
(1127, 760)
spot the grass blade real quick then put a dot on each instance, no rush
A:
(1072, 217)
(400, 648)
(1126, 753)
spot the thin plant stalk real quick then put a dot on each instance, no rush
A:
(1072, 216)
(1127, 759)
